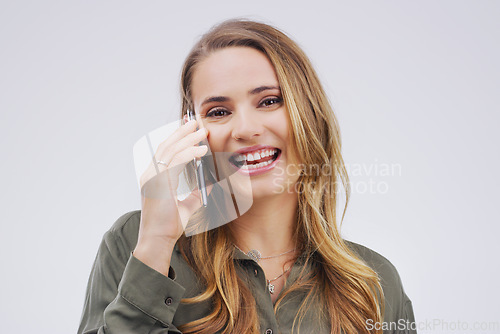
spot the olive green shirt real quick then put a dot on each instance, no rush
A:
(125, 296)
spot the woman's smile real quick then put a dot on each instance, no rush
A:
(255, 160)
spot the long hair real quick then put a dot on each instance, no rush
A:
(349, 290)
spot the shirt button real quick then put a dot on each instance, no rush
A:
(168, 301)
(269, 331)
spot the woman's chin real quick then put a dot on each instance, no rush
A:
(265, 189)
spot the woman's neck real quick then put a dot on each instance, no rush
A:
(268, 226)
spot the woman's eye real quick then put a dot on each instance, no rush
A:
(271, 101)
(216, 113)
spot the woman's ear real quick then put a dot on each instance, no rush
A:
(185, 118)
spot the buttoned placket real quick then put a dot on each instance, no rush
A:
(258, 286)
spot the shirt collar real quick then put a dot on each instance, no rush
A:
(239, 255)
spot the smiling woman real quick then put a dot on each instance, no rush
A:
(280, 267)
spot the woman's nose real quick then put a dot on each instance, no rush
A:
(246, 125)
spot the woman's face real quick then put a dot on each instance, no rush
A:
(236, 92)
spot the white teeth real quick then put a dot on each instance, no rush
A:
(256, 156)
(259, 165)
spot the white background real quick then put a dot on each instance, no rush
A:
(413, 83)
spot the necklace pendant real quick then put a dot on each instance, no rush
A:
(254, 255)
(271, 288)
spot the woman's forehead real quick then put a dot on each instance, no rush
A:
(233, 70)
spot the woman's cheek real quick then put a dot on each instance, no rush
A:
(214, 142)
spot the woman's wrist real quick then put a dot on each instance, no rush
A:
(155, 255)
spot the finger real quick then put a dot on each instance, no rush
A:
(167, 153)
(182, 146)
(190, 139)
(188, 154)
(161, 185)
(178, 134)
(175, 165)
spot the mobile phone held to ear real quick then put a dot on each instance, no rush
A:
(199, 172)
(231, 192)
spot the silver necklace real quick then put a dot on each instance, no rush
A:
(257, 256)
(271, 286)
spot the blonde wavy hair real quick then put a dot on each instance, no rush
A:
(349, 290)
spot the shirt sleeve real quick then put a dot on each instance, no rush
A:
(408, 316)
(399, 317)
(126, 296)
(398, 310)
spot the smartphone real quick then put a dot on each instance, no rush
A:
(199, 169)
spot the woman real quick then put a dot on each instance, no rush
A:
(256, 96)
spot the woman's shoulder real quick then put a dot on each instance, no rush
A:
(380, 264)
(127, 223)
(397, 303)
(121, 238)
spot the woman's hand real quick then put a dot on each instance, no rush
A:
(163, 216)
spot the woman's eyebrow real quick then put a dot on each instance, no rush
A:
(215, 99)
(261, 89)
(251, 92)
